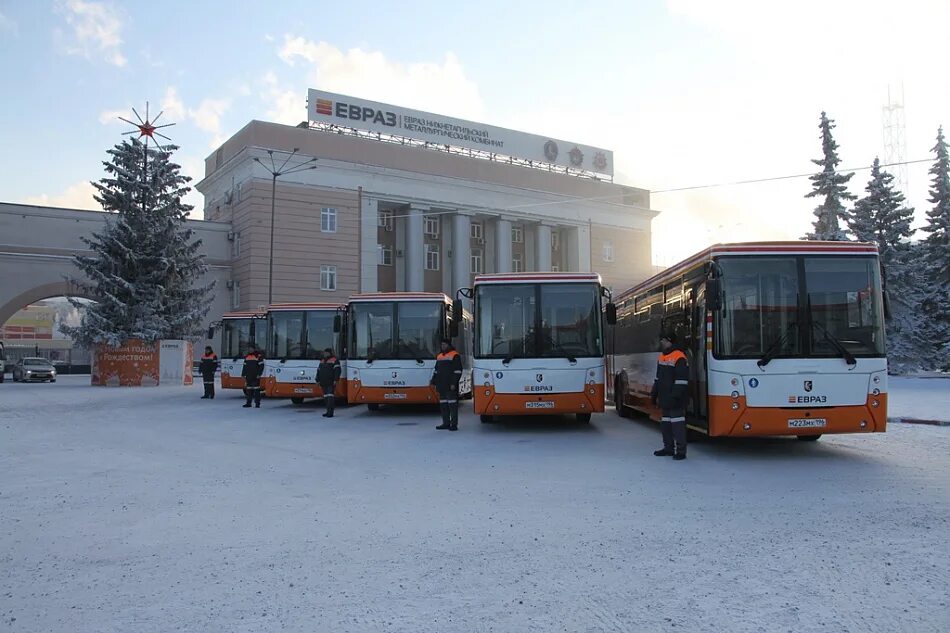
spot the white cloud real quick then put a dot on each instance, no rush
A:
(77, 196)
(7, 25)
(433, 86)
(112, 116)
(96, 30)
(207, 116)
(172, 106)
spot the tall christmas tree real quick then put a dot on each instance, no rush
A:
(882, 217)
(830, 186)
(145, 266)
(936, 247)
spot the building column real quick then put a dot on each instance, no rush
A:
(415, 249)
(369, 210)
(502, 245)
(462, 252)
(542, 247)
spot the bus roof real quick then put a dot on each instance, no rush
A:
(286, 307)
(400, 296)
(801, 247)
(243, 315)
(535, 277)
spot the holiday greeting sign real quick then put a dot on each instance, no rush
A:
(141, 364)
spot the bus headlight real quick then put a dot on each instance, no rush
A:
(486, 375)
(864, 424)
(735, 406)
(488, 393)
(735, 395)
(876, 379)
(591, 390)
(876, 392)
(875, 403)
(746, 427)
(734, 382)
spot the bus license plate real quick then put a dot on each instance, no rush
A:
(394, 396)
(302, 390)
(539, 405)
(807, 423)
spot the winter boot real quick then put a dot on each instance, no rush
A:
(445, 426)
(246, 406)
(679, 456)
(663, 452)
(454, 427)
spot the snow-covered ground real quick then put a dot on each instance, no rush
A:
(919, 398)
(151, 510)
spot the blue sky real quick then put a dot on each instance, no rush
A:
(685, 92)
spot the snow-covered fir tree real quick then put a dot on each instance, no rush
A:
(145, 266)
(881, 217)
(936, 248)
(830, 187)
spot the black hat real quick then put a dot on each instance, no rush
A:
(447, 341)
(670, 336)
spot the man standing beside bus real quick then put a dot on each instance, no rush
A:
(328, 374)
(670, 390)
(253, 368)
(445, 379)
(207, 368)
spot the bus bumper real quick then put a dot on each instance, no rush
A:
(358, 394)
(232, 382)
(747, 421)
(487, 402)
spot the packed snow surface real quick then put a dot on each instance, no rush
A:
(152, 510)
(919, 398)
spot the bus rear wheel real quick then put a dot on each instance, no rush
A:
(486, 419)
(297, 400)
(583, 418)
(373, 406)
(808, 438)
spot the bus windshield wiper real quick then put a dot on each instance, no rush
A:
(836, 343)
(557, 347)
(777, 346)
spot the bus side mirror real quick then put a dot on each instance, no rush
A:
(453, 329)
(611, 313)
(714, 294)
(337, 323)
(211, 332)
(456, 313)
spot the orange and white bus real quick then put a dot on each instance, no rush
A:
(297, 334)
(393, 339)
(782, 338)
(239, 331)
(539, 344)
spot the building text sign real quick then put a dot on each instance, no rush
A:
(328, 107)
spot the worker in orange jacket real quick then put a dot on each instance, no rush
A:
(670, 392)
(445, 379)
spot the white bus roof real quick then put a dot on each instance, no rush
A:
(802, 247)
(295, 307)
(535, 278)
(243, 315)
(399, 296)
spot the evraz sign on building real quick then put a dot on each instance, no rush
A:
(335, 109)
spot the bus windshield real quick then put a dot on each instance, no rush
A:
(396, 330)
(300, 335)
(236, 338)
(538, 321)
(804, 306)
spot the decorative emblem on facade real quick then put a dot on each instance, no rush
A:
(600, 160)
(577, 156)
(550, 151)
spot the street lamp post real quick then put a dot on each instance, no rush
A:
(276, 172)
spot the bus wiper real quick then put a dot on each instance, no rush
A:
(836, 343)
(777, 346)
(557, 347)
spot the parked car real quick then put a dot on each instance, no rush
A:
(34, 370)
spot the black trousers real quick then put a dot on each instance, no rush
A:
(450, 412)
(209, 386)
(673, 427)
(253, 393)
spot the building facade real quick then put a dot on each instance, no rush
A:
(383, 215)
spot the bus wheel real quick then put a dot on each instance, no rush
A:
(297, 400)
(373, 406)
(619, 389)
(808, 438)
(486, 419)
(583, 418)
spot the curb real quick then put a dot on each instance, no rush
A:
(919, 421)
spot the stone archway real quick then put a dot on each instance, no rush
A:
(31, 296)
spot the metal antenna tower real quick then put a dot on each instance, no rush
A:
(894, 126)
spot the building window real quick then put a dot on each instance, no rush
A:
(328, 220)
(555, 240)
(477, 232)
(432, 226)
(608, 251)
(517, 235)
(236, 246)
(432, 257)
(555, 268)
(517, 263)
(328, 278)
(385, 220)
(235, 295)
(477, 261)
(385, 254)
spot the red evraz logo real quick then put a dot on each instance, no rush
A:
(325, 106)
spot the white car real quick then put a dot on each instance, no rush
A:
(34, 370)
